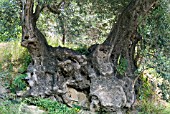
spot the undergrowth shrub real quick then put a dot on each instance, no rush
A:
(165, 87)
(8, 107)
(18, 83)
(51, 106)
(149, 100)
(14, 61)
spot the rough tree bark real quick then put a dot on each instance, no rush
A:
(102, 80)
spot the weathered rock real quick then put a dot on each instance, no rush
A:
(30, 109)
(86, 112)
(74, 97)
(3, 90)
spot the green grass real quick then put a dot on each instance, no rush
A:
(8, 107)
(166, 110)
(148, 107)
(50, 106)
(149, 102)
(16, 106)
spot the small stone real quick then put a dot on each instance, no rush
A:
(30, 109)
(3, 90)
(20, 93)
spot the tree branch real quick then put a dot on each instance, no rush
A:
(128, 21)
(38, 10)
(55, 8)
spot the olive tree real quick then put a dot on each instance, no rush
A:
(103, 79)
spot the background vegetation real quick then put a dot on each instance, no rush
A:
(83, 24)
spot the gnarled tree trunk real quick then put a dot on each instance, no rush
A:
(102, 80)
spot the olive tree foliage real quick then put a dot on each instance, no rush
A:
(155, 46)
(9, 20)
(82, 22)
(77, 20)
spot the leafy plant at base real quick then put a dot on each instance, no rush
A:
(122, 65)
(146, 90)
(146, 97)
(149, 108)
(7, 107)
(18, 83)
(83, 50)
(52, 107)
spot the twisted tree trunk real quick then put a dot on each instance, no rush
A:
(102, 80)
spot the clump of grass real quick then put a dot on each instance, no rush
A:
(166, 109)
(18, 84)
(147, 106)
(8, 107)
(13, 105)
(50, 106)
(148, 100)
